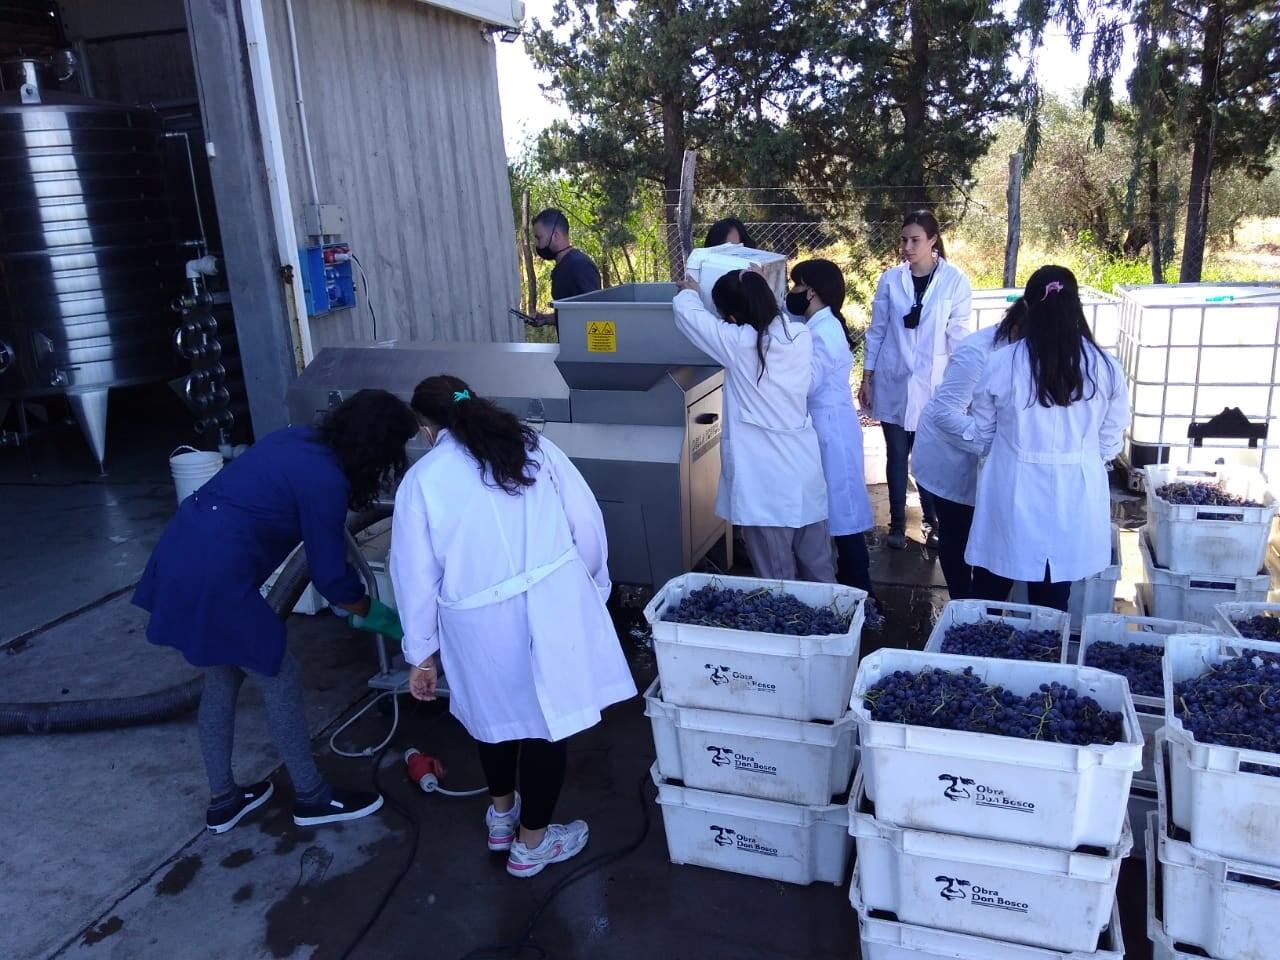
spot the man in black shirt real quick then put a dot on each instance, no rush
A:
(574, 272)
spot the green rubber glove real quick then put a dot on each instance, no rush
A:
(380, 619)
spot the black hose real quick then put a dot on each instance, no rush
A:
(78, 716)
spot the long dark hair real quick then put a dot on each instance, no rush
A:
(744, 297)
(367, 432)
(1060, 346)
(927, 222)
(1013, 318)
(719, 233)
(494, 437)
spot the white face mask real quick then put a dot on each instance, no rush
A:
(427, 435)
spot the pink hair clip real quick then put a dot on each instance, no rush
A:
(1054, 286)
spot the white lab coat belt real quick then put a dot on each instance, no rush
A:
(512, 586)
(790, 431)
(1058, 458)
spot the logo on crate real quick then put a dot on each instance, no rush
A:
(728, 837)
(954, 888)
(962, 788)
(721, 756)
(721, 675)
(726, 756)
(957, 789)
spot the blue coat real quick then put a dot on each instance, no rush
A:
(202, 582)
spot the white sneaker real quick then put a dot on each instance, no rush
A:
(502, 826)
(562, 841)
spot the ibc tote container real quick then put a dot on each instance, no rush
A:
(1101, 310)
(1192, 350)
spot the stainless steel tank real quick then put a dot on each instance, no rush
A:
(88, 258)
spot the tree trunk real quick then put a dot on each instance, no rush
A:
(1153, 215)
(1197, 230)
(526, 249)
(915, 112)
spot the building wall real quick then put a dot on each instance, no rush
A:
(406, 134)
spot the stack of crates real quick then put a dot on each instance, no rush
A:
(1151, 634)
(1213, 844)
(973, 846)
(755, 745)
(1195, 557)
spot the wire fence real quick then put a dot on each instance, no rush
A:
(859, 229)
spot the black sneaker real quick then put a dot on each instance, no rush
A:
(342, 805)
(223, 817)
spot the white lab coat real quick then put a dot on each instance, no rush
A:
(839, 431)
(942, 460)
(511, 590)
(770, 466)
(1042, 492)
(909, 364)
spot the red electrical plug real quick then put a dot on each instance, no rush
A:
(423, 770)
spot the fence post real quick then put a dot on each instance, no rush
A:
(1014, 235)
(685, 212)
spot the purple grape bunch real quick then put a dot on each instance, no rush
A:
(1202, 495)
(1142, 663)
(1235, 704)
(1261, 627)
(960, 700)
(995, 638)
(760, 611)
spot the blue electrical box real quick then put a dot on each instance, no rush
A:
(326, 278)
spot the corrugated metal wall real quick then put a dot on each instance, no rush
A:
(406, 133)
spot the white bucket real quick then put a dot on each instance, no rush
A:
(192, 469)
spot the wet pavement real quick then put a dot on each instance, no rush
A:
(115, 864)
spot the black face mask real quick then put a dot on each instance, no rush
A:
(546, 253)
(797, 302)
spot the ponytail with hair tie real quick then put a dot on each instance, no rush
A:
(499, 443)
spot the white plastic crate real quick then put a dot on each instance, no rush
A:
(875, 464)
(885, 939)
(1226, 810)
(1035, 895)
(1020, 616)
(1225, 907)
(1095, 594)
(1218, 541)
(765, 674)
(1127, 630)
(759, 838)
(789, 760)
(1229, 613)
(1193, 596)
(1004, 788)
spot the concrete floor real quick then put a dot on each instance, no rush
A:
(110, 859)
(72, 536)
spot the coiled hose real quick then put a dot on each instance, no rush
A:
(79, 716)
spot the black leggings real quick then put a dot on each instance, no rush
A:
(853, 562)
(541, 766)
(1046, 593)
(954, 523)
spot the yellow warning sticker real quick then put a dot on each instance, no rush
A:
(602, 336)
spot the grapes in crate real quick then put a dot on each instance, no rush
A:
(995, 638)
(1202, 495)
(960, 700)
(760, 611)
(1261, 627)
(1235, 704)
(1142, 663)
